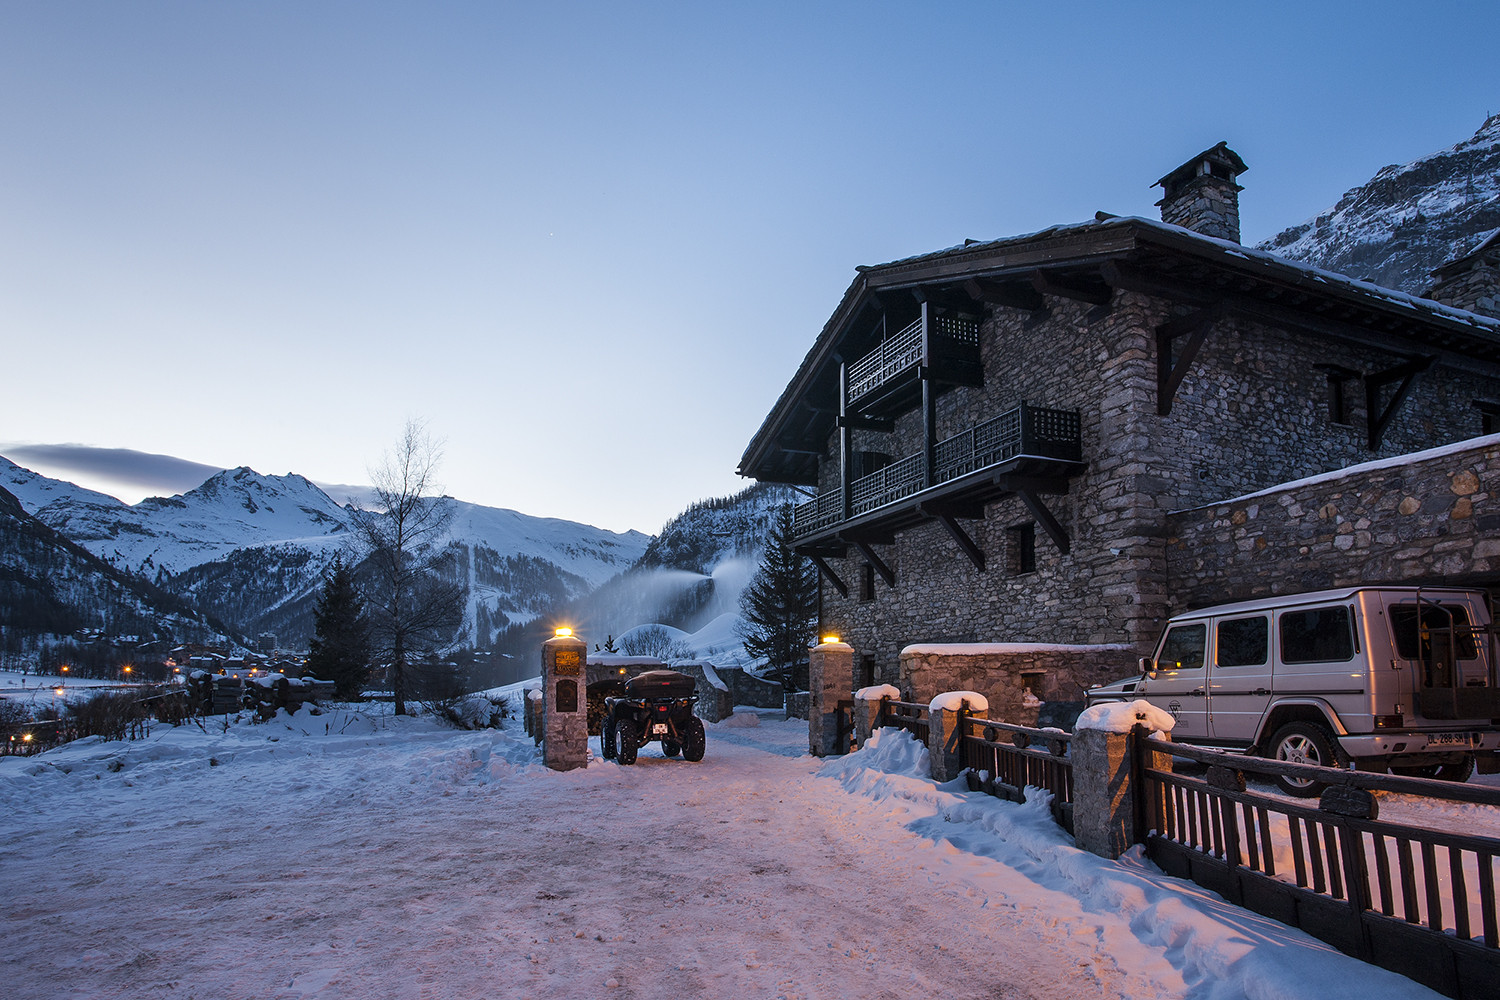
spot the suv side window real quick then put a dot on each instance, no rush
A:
(1243, 642)
(1183, 648)
(1318, 635)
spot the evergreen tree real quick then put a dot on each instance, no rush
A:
(341, 640)
(780, 607)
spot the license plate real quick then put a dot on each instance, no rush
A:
(1451, 740)
(658, 729)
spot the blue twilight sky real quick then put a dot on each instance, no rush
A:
(589, 243)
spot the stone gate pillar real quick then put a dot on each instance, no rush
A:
(830, 679)
(565, 703)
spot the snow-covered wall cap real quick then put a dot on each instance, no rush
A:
(877, 692)
(621, 660)
(709, 674)
(840, 646)
(533, 694)
(1123, 716)
(952, 701)
(990, 648)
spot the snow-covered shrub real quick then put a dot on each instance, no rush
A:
(107, 714)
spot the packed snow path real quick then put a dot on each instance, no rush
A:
(341, 857)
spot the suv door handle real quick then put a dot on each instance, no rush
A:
(1262, 692)
(1196, 692)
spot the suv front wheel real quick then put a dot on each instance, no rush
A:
(1303, 743)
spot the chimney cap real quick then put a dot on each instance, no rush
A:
(1219, 160)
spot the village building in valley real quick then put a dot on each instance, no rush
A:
(1023, 455)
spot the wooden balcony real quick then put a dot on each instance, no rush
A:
(947, 344)
(1031, 441)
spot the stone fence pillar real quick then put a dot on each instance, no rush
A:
(1104, 792)
(869, 705)
(944, 752)
(565, 709)
(830, 679)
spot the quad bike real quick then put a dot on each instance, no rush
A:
(656, 705)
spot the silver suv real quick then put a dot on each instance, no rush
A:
(1398, 678)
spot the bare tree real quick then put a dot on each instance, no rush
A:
(412, 608)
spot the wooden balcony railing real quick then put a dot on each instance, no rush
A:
(950, 335)
(894, 355)
(1026, 431)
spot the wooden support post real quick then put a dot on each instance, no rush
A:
(1050, 524)
(846, 443)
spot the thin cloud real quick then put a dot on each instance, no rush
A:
(125, 469)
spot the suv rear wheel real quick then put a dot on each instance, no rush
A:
(1303, 743)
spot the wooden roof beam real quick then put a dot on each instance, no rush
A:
(966, 544)
(886, 573)
(1171, 363)
(1068, 288)
(1009, 294)
(1050, 524)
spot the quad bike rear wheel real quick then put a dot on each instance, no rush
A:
(670, 747)
(693, 739)
(607, 738)
(629, 744)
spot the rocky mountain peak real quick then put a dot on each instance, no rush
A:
(1407, 220)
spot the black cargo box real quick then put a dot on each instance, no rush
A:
(660, 684)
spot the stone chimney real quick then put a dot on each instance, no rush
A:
(1472, 281)
(1201, 195)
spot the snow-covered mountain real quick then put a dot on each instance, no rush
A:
(50, 585)
(252, 548)
(689, 578)
(1407, 220)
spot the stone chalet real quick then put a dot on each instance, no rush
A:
(1023, 455)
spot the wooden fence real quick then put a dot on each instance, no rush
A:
(1003, 759)
(1417, 901)
(908, 715)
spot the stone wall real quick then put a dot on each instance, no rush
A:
(747, 689)
(1434, 517)
(1022, 682)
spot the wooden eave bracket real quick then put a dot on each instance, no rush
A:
(966, 544)
(1050, 524)
(1171, 362)
(829, 574)
(886, 573)
(1379, 418)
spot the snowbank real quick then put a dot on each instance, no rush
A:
(1123, 716)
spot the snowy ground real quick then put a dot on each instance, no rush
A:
(351, 856)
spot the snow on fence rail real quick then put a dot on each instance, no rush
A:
(1420, 902)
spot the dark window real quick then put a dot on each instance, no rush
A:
(1321, 635)
(867, 671)
(867, 582)
(1022, 548)
(1489, 416)
(1436, 626)
(867, 463)
(1183, 648)
(1032, 684)
(1243, 642)
(1338, 402)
